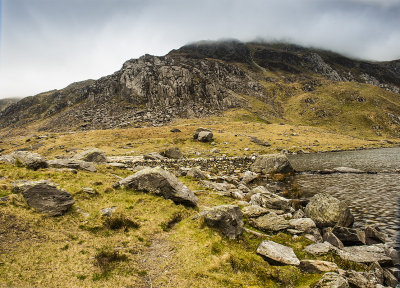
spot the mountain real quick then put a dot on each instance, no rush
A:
(4, 103)
(276, 81)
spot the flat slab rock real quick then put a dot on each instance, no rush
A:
(319, 248)
(160, 182)
(365, 254)
(270, 222)
(73, 164)
(228, 219)
(44, 196)
(317, 266)
(276, 252)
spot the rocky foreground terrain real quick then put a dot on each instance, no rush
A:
(160, 220)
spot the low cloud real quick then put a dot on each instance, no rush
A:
(47, 44)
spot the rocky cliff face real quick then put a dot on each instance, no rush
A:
(194, 81)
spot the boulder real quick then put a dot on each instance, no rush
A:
(319, 248)
(198, 130)
(349, 236)
(365, 254)
(30, 160)
(227, 219)
(44, 196)
(332, 239)
(302, 224)
(327, 211)
(175, 130)
(317, 266)
(205, 136)
(314, 235)
(277, 253)
(196, 173)
(270, 222)
(72, 164)
(271, 164)
(91, 155)
(332, 280)
(262, 197)
(172, 153)
(160, 182)
(153, 156)
(357, 279)
(389, 279)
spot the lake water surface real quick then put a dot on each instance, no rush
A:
(373, 198)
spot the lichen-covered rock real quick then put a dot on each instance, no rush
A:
(275, 252)
(44, 196)
(91, 155)
(332, 280)
(73, 164)
(271, 164)
(30, 160)
(327, 211)
(160, 182)
(172, 153)
(319, 248)
(227, 219)
(198, 130)
(253, 211)
(153, 156)
(365, 254)
(262, 197)
(332, 239)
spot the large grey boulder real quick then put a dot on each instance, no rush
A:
(365, 254)
(44, 196)
(91, 155)
(72, 164)
(327, 211)
(227, 219)
(30, 160)
(275, 252)
(205, 136)
(317, 266)
(349, 236)
(160, 182)
(270, 164)
(332, 280)
(172, 153)
(270, 222)
(262, 197)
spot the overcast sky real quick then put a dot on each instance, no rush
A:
(48, 44)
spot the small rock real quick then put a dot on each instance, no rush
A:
(91, 155)
(332, 280)
(275, 252)
(107, 212)
(72, 164)
(172, 153)
(214, 150)
(153, 156)
(175, 130)
(222, 187)
(270, 222)
(205, 136)
(266, 199)
(253, 211)
(347, 170)
(349, 236)
(249, 176)
(332, 239)
(302, 224)
(227, 219)
(299, 214)
(317, 266)
(319, 248)
(274, 163)
(374, 235)
(196, 173)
